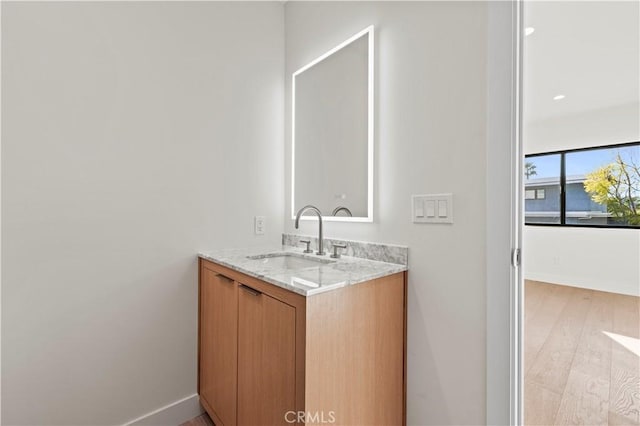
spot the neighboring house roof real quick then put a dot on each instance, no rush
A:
(546, 181)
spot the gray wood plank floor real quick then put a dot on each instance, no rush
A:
(582, 356)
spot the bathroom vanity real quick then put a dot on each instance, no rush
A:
(287, 337)
(293, 338)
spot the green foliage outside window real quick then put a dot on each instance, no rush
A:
(617, 185)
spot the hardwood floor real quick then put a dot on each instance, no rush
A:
(201, 420)
(581, 356)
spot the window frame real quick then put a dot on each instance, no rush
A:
(563, 183)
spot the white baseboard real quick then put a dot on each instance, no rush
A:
(172, 414)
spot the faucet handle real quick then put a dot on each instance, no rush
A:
(335, 254)
(307, 242)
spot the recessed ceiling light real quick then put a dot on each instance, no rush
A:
(558, 97)
(528, 31)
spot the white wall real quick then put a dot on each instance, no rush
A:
(134, 134)
(599, 259)
(431, 60)
(605, 126)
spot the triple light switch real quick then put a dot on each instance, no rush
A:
(435, 208)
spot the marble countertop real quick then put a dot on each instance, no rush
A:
(304, 280)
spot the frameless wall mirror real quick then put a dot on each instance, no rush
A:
(332, 132)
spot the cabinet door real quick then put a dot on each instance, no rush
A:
(219, 344)
(266, 359)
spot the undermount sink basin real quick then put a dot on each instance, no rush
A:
(289, 260)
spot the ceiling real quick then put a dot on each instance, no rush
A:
(587, 51)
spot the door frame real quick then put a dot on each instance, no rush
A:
(504, 213)
(517, 278)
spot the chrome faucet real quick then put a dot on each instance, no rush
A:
(317, 211)
(339, 209)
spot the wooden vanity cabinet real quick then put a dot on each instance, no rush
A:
(266, 358)
(339, 356)
(218, 344)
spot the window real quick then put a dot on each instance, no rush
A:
(542, 188)
(597, 187)
(534, 194)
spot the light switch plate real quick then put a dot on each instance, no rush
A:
(260, 225)
(432, 208)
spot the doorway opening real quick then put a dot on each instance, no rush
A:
(581, 235)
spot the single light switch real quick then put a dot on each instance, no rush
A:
(442, 208)
(419, 208)
(431, 208)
